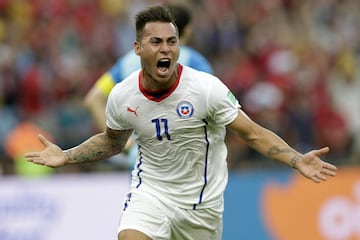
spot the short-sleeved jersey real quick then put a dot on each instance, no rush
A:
(180, 136)
(130, 62)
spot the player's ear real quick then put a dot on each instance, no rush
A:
(137, 48)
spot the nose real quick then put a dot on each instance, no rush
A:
(165, 48)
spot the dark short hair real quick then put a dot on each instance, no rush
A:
(152, 14)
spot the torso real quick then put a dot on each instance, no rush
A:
(182, 154)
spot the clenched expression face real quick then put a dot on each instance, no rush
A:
(159, 52)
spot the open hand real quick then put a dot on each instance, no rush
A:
(51, 156)
(312, 167)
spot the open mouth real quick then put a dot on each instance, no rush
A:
(163, 64)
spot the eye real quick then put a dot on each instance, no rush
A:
(173, 41)
(155, 42)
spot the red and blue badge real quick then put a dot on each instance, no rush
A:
(185, 109)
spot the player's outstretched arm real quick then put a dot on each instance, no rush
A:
(98, 147)
(272, 146)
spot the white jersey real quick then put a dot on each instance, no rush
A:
(182, 153)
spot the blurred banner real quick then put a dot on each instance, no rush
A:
(261, 205)
(282, 205)
(61, 207)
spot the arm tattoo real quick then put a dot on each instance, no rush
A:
(275, 150)
(98, 147)
(90, 151)
(294, 160)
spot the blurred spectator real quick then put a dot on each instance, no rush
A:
(302, 56)
(20, 140)
(344, 88)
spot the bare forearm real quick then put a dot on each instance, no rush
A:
(96, 148)
(273, 147)
(98, 114)
(95, 102)
(99, 117)
(269, 144)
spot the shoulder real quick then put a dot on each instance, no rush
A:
(198, 79)
(128, 85)
(192, 72)
(202, 80)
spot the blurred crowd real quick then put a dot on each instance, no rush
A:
(293, 65)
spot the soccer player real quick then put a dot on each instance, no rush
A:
(180, 116)
(95, 100)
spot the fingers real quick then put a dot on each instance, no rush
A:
(327, 170)
(315, 179)
(314, 168)
(318, 178)
(32, 154)
(44, 140)
(33, 157)
(38, 160)
(321, 151)
(329, 167)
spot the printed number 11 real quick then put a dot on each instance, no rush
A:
(158, 122)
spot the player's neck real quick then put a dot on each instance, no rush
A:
(152, 85)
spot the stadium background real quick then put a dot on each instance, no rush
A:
(293, 64)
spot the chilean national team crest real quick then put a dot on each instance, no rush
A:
(185, 109)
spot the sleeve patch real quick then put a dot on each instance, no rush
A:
(231, 97)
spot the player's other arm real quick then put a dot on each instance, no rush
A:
(98, 147)
(95, 99)
(95, 103)
(271, 145)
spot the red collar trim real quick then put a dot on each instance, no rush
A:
(157, 97)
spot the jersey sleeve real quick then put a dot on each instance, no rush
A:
(113, 111)
(222, 104)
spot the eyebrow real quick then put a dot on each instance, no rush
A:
(160, 39)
